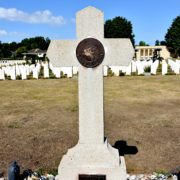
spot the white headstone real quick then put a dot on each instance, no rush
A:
(178, 64)
(8, 70)
(172, 65)
(134, 66)
(56, 72)
(35, 73)
(75, 70)
(140, 68)
(115, 70)
(92, 155)
(23, 73)
(154, 67)
(13, 73)
(17, 70)
(164, 67)
(46, 71)
(128, 70)
(105, 71)
(2, 76)
(67, 71)
(31, 67)
(177, 68)
(27, 68)
(38, 67)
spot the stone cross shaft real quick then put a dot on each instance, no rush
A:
(118, 52)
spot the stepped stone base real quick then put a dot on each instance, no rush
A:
(92, 159)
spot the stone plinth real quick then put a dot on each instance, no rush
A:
(92, 160)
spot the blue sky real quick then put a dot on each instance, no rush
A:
(56, 18)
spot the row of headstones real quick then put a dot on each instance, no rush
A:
(142, 65)
(13, 71)
(139, 67)
(11, 62)
(23, 71)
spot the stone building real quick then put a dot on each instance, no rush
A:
(36, 52)
(146, 52)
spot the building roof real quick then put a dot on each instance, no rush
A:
(150, 47)
(35, 52)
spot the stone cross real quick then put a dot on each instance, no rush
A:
(90, 52)
(118, 52)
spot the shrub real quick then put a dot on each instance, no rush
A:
(147, 69)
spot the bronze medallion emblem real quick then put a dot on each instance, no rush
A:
(90, 52)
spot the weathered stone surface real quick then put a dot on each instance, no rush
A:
(62, 53)
(91, 155)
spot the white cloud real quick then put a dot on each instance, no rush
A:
(38, 17)
(12, 33)
(3, 32)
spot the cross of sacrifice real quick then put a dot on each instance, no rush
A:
(90, 52)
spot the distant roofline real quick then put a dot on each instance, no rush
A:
(150, 47)
(35, 52)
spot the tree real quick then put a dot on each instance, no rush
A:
(13, 49)
(157, 43)
(119, 27)
(1, 50)
(20, 50)
(172, 37)
(163, 43)
(13, 46)
(5, 51)
(35, 42)
(142, 43)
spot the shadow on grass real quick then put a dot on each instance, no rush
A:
(124, 149)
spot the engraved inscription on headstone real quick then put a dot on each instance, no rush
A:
(92, 177)
(90, 52)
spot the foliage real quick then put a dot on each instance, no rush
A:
(121, 73)
(163, 43)
(36, 42)
(170, 71)
(172, 37)
(119, 27)
(14, 50)
(157, 43)
(142, 43)
(160, 43)
(20, 50)
(161, 171)
(110, 73)
(43, 171)
(147, 69)
(4, 50)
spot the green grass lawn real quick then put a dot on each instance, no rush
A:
(39, 120)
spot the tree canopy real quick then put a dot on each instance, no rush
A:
(5, 52)
(119, 27)
(36, 42)
(143, 43)
(157, 43)
(13, 49)
(172, 37)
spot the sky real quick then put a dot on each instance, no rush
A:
(55, 19)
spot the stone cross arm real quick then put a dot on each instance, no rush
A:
(118, 52)
(61, 53)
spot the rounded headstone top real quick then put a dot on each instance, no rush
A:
(90, 52)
